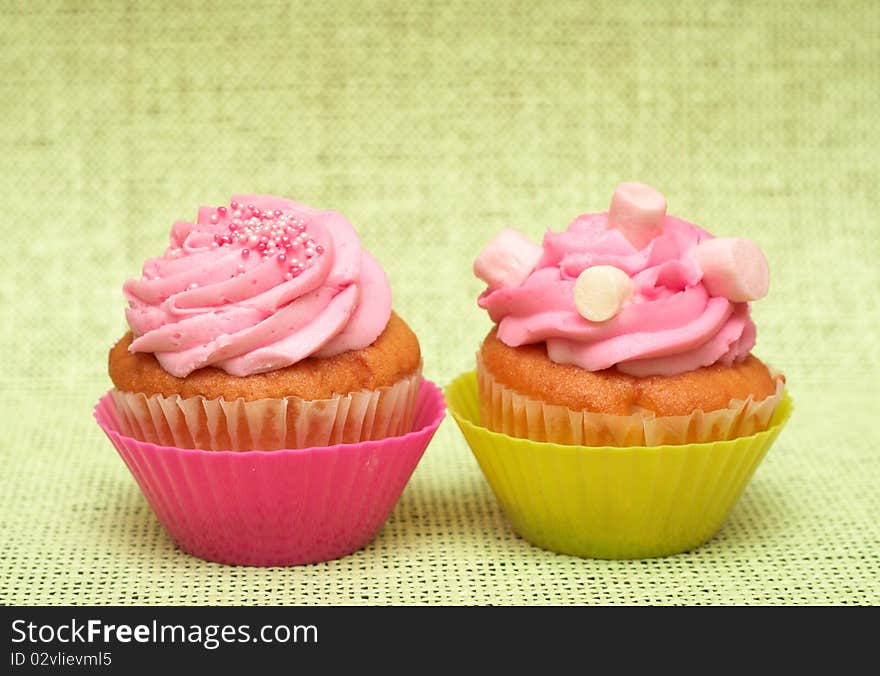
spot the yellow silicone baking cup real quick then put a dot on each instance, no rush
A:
(612, 503)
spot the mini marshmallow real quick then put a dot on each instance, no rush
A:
(507, 259)
(601, 291)
(733, 268)
(637, 210)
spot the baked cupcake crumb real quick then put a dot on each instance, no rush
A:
(394, 355)
(528, 370)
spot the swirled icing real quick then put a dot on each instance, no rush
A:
(257, 286)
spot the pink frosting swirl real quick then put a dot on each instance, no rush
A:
(257, 286)
(672, 324)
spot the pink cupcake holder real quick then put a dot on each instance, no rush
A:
(276, 508)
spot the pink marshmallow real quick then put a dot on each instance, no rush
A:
(507, 259)
(733, 268)
(637, 210)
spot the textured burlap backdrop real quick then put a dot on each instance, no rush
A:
(431, 126)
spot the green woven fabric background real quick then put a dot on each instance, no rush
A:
(431, 125)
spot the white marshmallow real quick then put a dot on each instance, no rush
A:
(637, 210)
(601, 291)
(507, 260)
(733, 268)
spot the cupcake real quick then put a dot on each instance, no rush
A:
(621, 356)
(265, 331)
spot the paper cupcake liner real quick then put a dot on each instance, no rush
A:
(268, 424)
(612, 502)
(505, 410)
(275, 508)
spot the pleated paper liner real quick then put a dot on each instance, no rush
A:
(612, 502)
(268, 424)
(276, 508)
(505, 410)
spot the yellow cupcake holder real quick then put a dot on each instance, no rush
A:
(612, 503)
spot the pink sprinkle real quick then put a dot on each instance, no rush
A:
(221, 211)
(319, 249)
(233, 205)
(277, 213)
(281, 258)
(214, 218)
(245, 252)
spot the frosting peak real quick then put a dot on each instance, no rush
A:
(257, 286)
(677, 299)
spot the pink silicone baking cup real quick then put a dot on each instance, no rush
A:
(276, 508)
